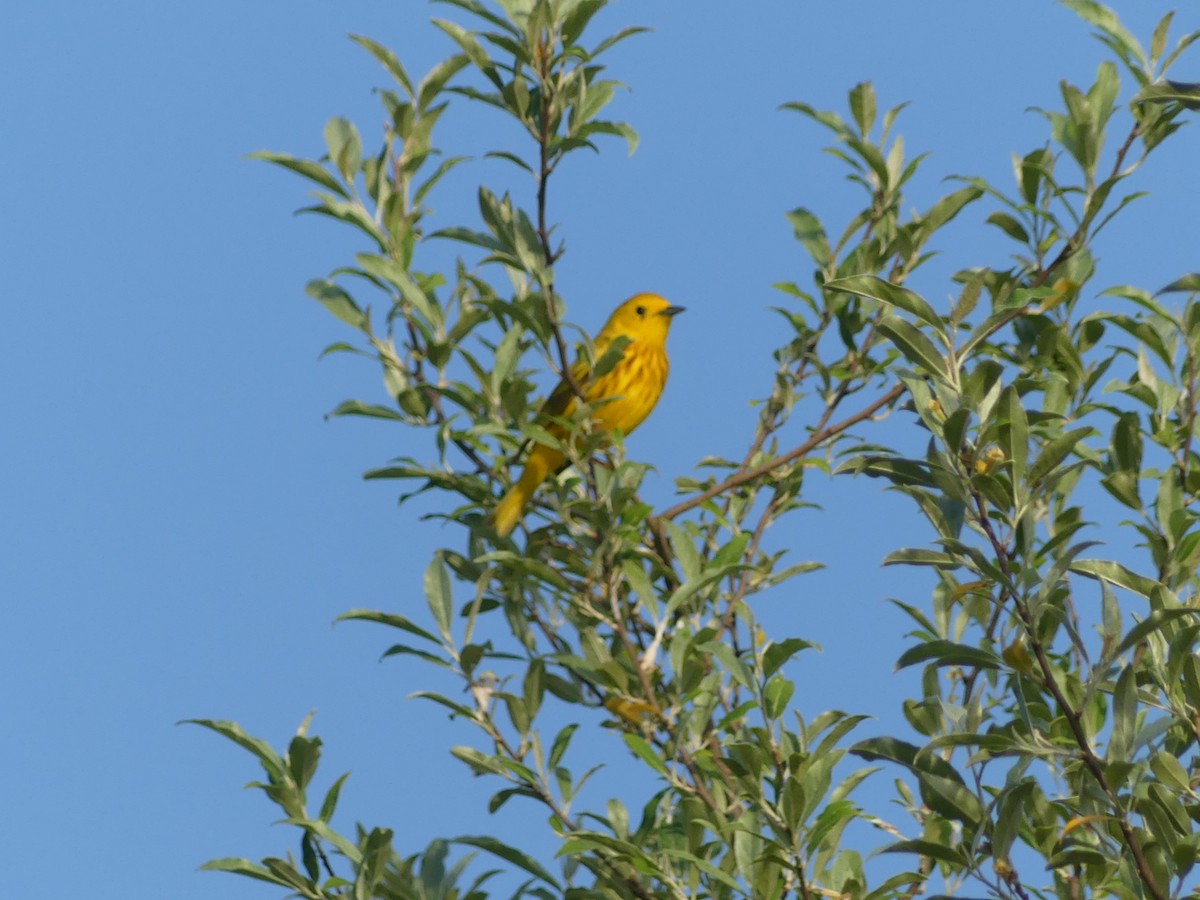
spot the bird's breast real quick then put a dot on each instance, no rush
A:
(635, 383)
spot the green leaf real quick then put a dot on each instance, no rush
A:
(245, 867)
(917, 615)
(685, 552)
(1158, 42)
(1009, 225)
(732, 662)
(394, 273)
(392, 620)
(337, 301)
(271, 761)
(1155, 621)
(778, 653)
(616, 129)
(919, 556)
(830, 120)
(313, 171)
(613, 354)
(470, 236)
(842, 725)
(862, 106)
(535, 686)
(915, 346)
(308, 855)
(353, 213)
(458, 709)
(1187, 95)
(1015, 440)
(1010, 816)
(811, 234)
(646, 753)
(1115, 573)
(439, 595)
(931, 849)
(706, 867)
(405, 649)
(1123, 486)
(1188, 284)
(561, 741)
(322, 830)
(614, 39)
(949, 798)
(949, 206)
(479, 762)
(985, 330)
(434, 82)
(329, 804)
(508, 157)
(1127, 444)
(1107, 21)
(433, 866)
(1078, 855)
(303, 756)
(948, 653)
(942, 787)
(1171, 772)
(577, 19)
(345, 146)
(908, 755)
(467, 41)
(891, 887)
(376, 852)
(1124, 718)
(1034, 170)
(1055, 452)
(371, 410)
(904, 472)
(389, 60)
(891, 294)
(777, 695)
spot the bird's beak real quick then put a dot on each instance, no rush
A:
(672, 311)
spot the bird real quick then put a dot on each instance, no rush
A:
(622, 397)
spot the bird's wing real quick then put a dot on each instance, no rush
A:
(561, 402)
(559, 405)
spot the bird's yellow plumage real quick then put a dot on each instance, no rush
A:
(623, 396)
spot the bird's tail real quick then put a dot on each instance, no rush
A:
(508, 511)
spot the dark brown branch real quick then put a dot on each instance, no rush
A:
(324, 859)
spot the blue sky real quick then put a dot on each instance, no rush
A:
(182, 523)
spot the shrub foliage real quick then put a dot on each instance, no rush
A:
(1052, 750)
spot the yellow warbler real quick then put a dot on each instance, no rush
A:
(635, 712)
(623, 396)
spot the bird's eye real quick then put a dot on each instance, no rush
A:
(641, 311)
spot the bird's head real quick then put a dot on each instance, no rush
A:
(643, 317)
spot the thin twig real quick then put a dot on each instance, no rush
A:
(324, 859)
(549, 256)
(820, 437)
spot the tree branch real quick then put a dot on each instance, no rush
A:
(745, 475)
(1092, 762)
(549, 257)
